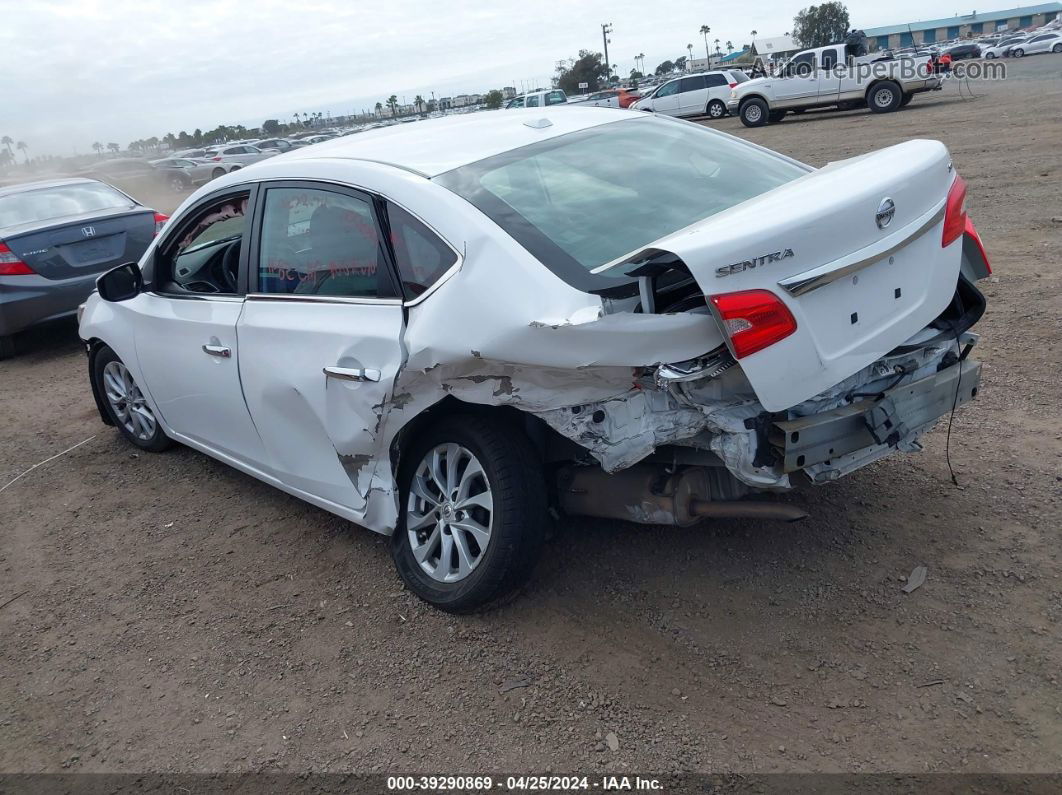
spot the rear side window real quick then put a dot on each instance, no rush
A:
(532, 101)
(318, 242)
(420, 255)
(556, 98)
(694, 83)
(43, 204)
(716, 80)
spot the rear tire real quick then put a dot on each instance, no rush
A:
(884, 97)
(753, 112)
(7, 346)
(1057, 48)
(715, 109)
(218, 172)
(125, 403)
(449, 561)
(1017, 52)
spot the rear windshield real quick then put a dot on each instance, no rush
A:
(44, 204)
(584, 199)
(739, 76)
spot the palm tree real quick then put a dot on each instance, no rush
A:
(392, 103)
(379, 108)
(729, 46)
(295, 116)
(7, 141)
(689, 63)
(21, 146)
(705, 30)
(418, 103)
(753, 48)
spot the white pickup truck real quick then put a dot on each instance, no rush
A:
(828, 76)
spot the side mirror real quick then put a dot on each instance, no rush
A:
(121, 283)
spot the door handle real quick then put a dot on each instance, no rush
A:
(352, 373)
(217, 350)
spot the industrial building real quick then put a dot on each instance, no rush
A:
(969, 25)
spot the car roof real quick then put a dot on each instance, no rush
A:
(44, 184)
(435, 146)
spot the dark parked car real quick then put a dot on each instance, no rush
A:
(962, 51)
(56, 237)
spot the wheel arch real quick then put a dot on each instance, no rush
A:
(747, 97)
(95, 345)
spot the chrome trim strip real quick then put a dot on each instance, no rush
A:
(197, 296)
(809, 280)
(323, 299)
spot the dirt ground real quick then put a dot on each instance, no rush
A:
(166, 613)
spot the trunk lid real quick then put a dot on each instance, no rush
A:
(65, 248)
(857, 289)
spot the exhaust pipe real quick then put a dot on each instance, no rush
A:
(648, 494)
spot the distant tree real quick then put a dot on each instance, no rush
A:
(587, 68)
(493, 99)
(704, 31)
(379, 108)
(22, 147)
(636, 75)
(666, 68)
(114, 147)
(680, 64)
(6, 158)
(817, 26)
(729, 46)
(7, 140)
(392, 103)
(98, 147)
(418, 103)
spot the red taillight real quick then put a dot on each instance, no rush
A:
(216, 159)
(11, 265)
(733, 85)
(160, 221)
(971, 230)
(754, 319)
(955, 212)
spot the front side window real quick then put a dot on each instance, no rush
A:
(206, 255)
(422, 258)
(667, 89)
(579, 200)
(556, 98)
(318, 242)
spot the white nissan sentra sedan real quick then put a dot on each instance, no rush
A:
(449, 331)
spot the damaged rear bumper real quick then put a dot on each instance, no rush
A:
(832, 443)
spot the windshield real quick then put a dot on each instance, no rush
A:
(61, 201)
(584, 199)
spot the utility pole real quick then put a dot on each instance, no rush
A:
(606, 28)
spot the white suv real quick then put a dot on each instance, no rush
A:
(703, 94)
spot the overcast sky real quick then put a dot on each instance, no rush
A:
(79, 71)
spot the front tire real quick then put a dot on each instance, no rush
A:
(884, 97)
(218, 172)
(125, 403)
(1057, 48)
(753, 112)
(473, 502)
(715, 109)
(1017, 52)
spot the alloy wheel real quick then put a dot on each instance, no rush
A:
(449, 513)
(127, 401)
